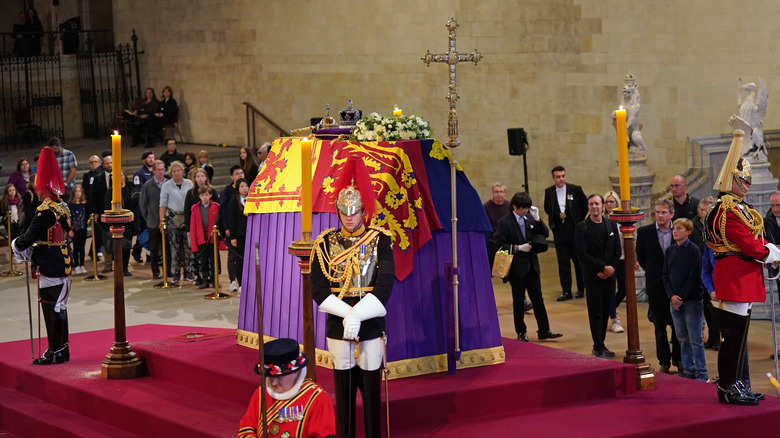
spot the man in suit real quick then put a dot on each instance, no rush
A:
(566, 206)
(598, 246)
(522, 233)
(98, 193)
(651, 243)
(772, 227)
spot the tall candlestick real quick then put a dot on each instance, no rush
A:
(397, 112)
(116, 152)
(306, 185)
(622, 141)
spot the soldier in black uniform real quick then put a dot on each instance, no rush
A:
(50, 256)
(352, 277)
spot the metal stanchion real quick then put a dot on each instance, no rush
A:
(95, 276)
(164, 284)
(10, 272)
(216, 295)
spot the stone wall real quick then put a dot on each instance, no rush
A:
(553, 67)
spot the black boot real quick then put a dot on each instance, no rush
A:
(734, 395)
(346, 391)
(50, 356)
(371, 390)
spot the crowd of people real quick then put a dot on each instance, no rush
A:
(174, 189)
(673, 251)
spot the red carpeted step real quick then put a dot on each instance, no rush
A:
(22, 416)
(677, 407)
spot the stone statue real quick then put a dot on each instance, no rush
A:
(636, 145)
(753, 104)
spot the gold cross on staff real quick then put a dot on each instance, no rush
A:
(452, 57)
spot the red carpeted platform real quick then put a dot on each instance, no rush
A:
(199, 386)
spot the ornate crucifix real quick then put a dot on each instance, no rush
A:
(452, 57)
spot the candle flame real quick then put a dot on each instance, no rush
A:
(621, 108)
(116, 132)
(396, 107)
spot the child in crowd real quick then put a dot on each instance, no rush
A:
(205, 163)
(11, 202)
(203, 217)
(237, 226)
(79, 213)
(682, 278)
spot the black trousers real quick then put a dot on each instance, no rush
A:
(533, 285)
(79, 239)
(155, 242)
(662, 317)
(564, 251)
(599, 298)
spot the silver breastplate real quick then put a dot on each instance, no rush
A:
(366, 255)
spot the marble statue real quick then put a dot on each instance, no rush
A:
(632, 105)
(753, 104)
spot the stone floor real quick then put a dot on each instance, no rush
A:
(91, 303)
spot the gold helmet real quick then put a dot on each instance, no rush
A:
(735, 167)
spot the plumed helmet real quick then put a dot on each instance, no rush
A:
(49, 175)
(734, 166)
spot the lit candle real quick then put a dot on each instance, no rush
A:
(397, 112)
(622, 141)
(116, 152)
(306, 185)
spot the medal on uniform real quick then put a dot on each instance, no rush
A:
(562, 216)
(274, 429)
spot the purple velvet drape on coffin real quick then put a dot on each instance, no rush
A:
(416, 314)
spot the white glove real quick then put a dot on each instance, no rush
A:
(534, 212)
(351, 326)
(21, 255)
(335, 306)
(368, 307)
(774, 254)
(524, 247)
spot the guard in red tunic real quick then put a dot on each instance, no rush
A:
(735, 234)
(295, 407)
(46, 235)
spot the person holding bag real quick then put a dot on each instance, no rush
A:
(523, 234)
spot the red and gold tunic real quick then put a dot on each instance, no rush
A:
(735, 234)
(311, 415)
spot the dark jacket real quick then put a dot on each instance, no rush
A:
(508, 235)
(576, 207)
(682, 271)
(595, 254)
(771, 229)
(651, 258)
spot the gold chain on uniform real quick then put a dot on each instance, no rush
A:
(755, 222)
(345, 274)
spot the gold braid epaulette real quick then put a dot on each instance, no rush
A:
(58, 208)
(755, 222)
(381, 230)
